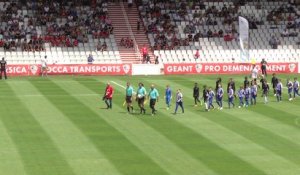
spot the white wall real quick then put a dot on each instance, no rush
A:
(146, 69)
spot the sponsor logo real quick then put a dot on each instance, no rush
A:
(126, 68)
(292, 67)
(198, 68)
(227, 68)
(33, 69)
(74, 69)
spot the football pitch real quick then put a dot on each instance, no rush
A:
(59, 126)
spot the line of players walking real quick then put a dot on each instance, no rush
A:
(246, 94)
(153, 96)
(141, 97)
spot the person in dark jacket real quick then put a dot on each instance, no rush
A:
(205, 97)
(196, 94)
(274, 82)
(3, 68)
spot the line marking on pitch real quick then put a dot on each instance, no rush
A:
(121, 86)
(40, 95)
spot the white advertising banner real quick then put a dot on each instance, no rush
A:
(244, 39)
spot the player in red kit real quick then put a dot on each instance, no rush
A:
(108, 94)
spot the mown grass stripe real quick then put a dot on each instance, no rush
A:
(279, 112)
(192, 142)
(160, 149)
(36, 149)
(280, 163)
(125, 156)
(269, 140)
(278, 144)
(274, 126)
(10, 159)
(77, 149)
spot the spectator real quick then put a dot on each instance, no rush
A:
(138, 26)
(122, 42)
(156, 60)
(128, 43)
(190, 36)
(298, 41)
(263, 64)
(291, 25)
(210, 21)
(285, 33)
(99, 46)
(7, 46)
(68, 42)
(103, 47)
(293, 33)
(75, 42)
(90, 59)
(148, 61)
(274, 42)
(2, 42)
(197, 54)
(228, 37)
(129, 3)
(220, 33)
(144, 52)
(209, 33)
(297, 22)
(215, 34)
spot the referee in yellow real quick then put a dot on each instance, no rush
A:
(153, 96)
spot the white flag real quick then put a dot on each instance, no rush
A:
(244, 38)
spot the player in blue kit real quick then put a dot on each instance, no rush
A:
(219, 96)
(296, 87)
(253, 92)
(179, 101)
(265, 88)
(168, 96)
(289, 85)
(247, 95)
(211, 95)
(230, 96)
(279, 90)
(241, 95)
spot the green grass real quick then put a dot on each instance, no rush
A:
(58, 125)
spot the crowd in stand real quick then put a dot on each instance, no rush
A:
(278, 14)
(161, 18)
(58, 22)
(163, 25)
(101, 47)
(127, 42)
(67, 24)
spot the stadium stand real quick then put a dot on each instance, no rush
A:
(67, 32)
(212, 27)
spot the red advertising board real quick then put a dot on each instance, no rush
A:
(71, 69)
(226, 68)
